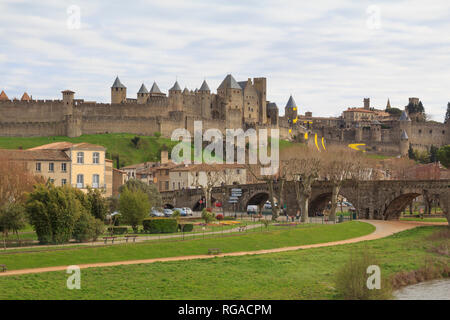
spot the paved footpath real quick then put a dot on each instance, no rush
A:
(383, 229)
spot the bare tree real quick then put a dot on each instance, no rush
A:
(302, 167)
(15, 180)
(271, 181)
(341, 164)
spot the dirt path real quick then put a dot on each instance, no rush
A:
(383, 229)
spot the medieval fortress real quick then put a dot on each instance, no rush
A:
(236, 104)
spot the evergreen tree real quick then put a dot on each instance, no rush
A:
(434, 154)
(411, 154)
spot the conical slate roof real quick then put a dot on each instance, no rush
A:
(186, 90)
(229, 82)
(176, 87)
(388, 106)
(155, 88)
(143, 89)
(404, 117)
(291, 103)
(204, 86)
(404, 135)
(118, 84)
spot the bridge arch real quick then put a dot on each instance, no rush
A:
(319, 202)
(396, 206)
(258, 198)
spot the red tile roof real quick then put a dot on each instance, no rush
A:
(30, 155)
(3, 96)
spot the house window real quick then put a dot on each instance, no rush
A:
(38, 167)
(52, 180)
(179, 185)
(95, 157)
(63, 167)
(51, 167)
(173, 185)
(63, 182)
(95, 181)
(80, 181)
(80, 157)
(167, 185)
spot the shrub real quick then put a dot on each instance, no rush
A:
(98, 204)
(186, 227)
(118, 230)
(134, 207)
(160, 225)
(87, 228)
(351, 279)
(12, 218)
(219, 217)
(53, 212)
(207, 215)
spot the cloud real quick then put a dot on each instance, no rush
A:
(322, 52)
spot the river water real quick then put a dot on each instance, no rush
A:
(430, 290)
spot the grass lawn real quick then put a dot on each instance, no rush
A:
(280, 237)
(302, 274)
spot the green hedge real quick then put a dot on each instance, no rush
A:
(118, 230)
(186, 227)
(160, 225)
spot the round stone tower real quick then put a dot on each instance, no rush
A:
(118, 92)
(404, 144)
(176, 97)
(205, 96)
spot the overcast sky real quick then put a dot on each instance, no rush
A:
(328, 54)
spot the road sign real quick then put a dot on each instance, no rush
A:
(236, 190)
(236, 194)
(232, 201)
(234, 198)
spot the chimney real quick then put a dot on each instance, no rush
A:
(367, 103)
(164, 156)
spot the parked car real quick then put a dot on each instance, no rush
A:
(168, 212)
(268, 205)
(181, 210)
(188, 211)
(156, 213)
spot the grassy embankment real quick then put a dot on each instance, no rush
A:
(120, 144)
(303, 274)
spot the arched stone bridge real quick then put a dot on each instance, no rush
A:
(383, 200)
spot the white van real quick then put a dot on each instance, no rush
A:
(252, 209)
